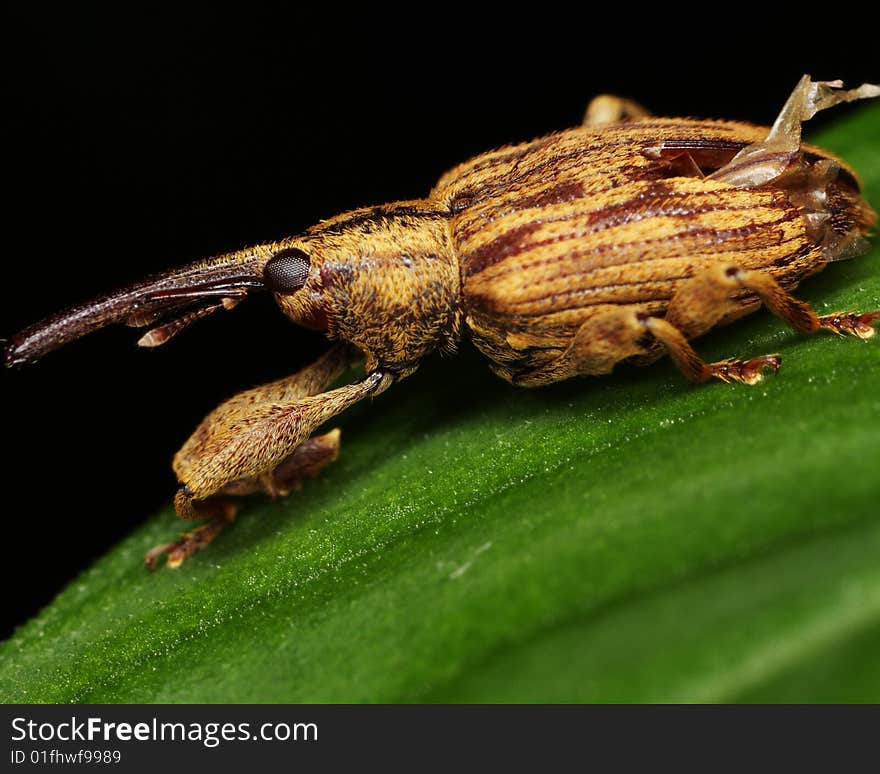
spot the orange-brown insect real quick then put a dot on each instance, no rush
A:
(620, 240)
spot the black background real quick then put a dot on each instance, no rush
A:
(140, 140)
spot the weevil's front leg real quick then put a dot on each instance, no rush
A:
(305, 461)
(608, 109)
(259, 440)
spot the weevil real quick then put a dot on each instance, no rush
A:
(618, 241)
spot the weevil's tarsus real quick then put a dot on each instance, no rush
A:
(220, 510)
(177, 551)
(764, 161)
(748, 372)
(862, 326)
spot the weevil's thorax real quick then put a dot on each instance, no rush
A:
(384, 279)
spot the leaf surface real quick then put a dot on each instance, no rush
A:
(627, 538)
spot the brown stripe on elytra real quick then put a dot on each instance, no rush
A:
(598, 139)
(618, 136)
(557, 194)
(509, 243)
(521, 170)
(794, 257)
(723, 239)
(612, 253)
(496, 158)
(627, 172)
(466, 230)
(656, 201)
(616, 251)
(489, 305)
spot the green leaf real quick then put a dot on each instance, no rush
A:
(628, 538)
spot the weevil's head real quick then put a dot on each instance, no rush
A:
(382, 278)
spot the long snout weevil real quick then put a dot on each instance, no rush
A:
(620, 240)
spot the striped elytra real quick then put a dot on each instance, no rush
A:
(560, 229)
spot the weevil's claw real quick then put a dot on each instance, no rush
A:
(152, 557)
(852, 323)
(746, 371)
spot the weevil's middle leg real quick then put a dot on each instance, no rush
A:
(687, 361)
(609, 109)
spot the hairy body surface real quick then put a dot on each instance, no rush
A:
(620, 240)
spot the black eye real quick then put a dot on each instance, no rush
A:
(286, 271)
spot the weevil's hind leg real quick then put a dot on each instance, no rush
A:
(259, 441)
(706, 298)
(862, 325)
(306, 461)
(608, 109)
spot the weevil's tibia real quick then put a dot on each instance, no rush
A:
(694, 368)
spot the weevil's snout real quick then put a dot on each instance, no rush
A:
(165, 304)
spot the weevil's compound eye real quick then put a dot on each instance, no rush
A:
(286, 271)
